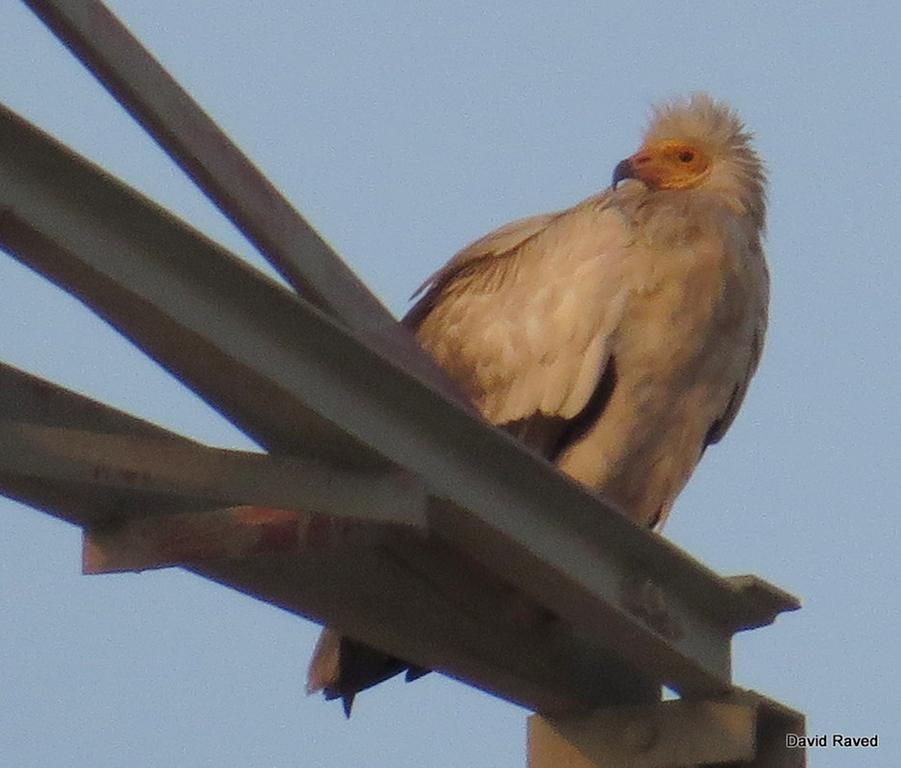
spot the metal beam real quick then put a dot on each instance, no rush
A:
(299, 383)
(741, 728)
(176, 470)
(388, 585)
(129, 72)
(774, 722)
(214, 535)
(670, 734)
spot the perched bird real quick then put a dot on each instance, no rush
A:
(617, 337)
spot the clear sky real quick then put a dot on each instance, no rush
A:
(404, 130)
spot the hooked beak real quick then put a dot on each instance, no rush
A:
(624, 170)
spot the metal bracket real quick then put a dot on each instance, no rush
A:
(742, 728)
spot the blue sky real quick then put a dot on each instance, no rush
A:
(403, 131)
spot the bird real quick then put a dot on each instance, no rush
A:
(616, 338)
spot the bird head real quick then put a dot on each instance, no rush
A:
(666, 164)
(698, 143)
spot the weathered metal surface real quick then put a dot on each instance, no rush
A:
(671, 734)
(410, 595)
(195, 538)
(740, 728)
(449, 616)
(299, 383)
(174, 468)
(30, 399)
(774, 722)
(228, 177)
(768, 600)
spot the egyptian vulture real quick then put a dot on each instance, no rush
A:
(616, 337)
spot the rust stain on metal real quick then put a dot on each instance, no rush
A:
(249, 515)
(195, 537)
(276, 530)
(92, 555)
(186, 543)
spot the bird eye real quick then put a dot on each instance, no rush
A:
(686, 156)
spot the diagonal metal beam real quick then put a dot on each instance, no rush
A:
(299, 383)
(149, 498)
(137, 80)
(388, 585)
(178, 470)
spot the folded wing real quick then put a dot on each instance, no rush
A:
(522, 318)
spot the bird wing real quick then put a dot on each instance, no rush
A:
(762, 282)
(503, 241)
(522, 318)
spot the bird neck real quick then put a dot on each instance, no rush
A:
(667, 218)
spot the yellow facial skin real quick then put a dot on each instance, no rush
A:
(666, 164)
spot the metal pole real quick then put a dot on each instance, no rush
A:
(219, 168)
